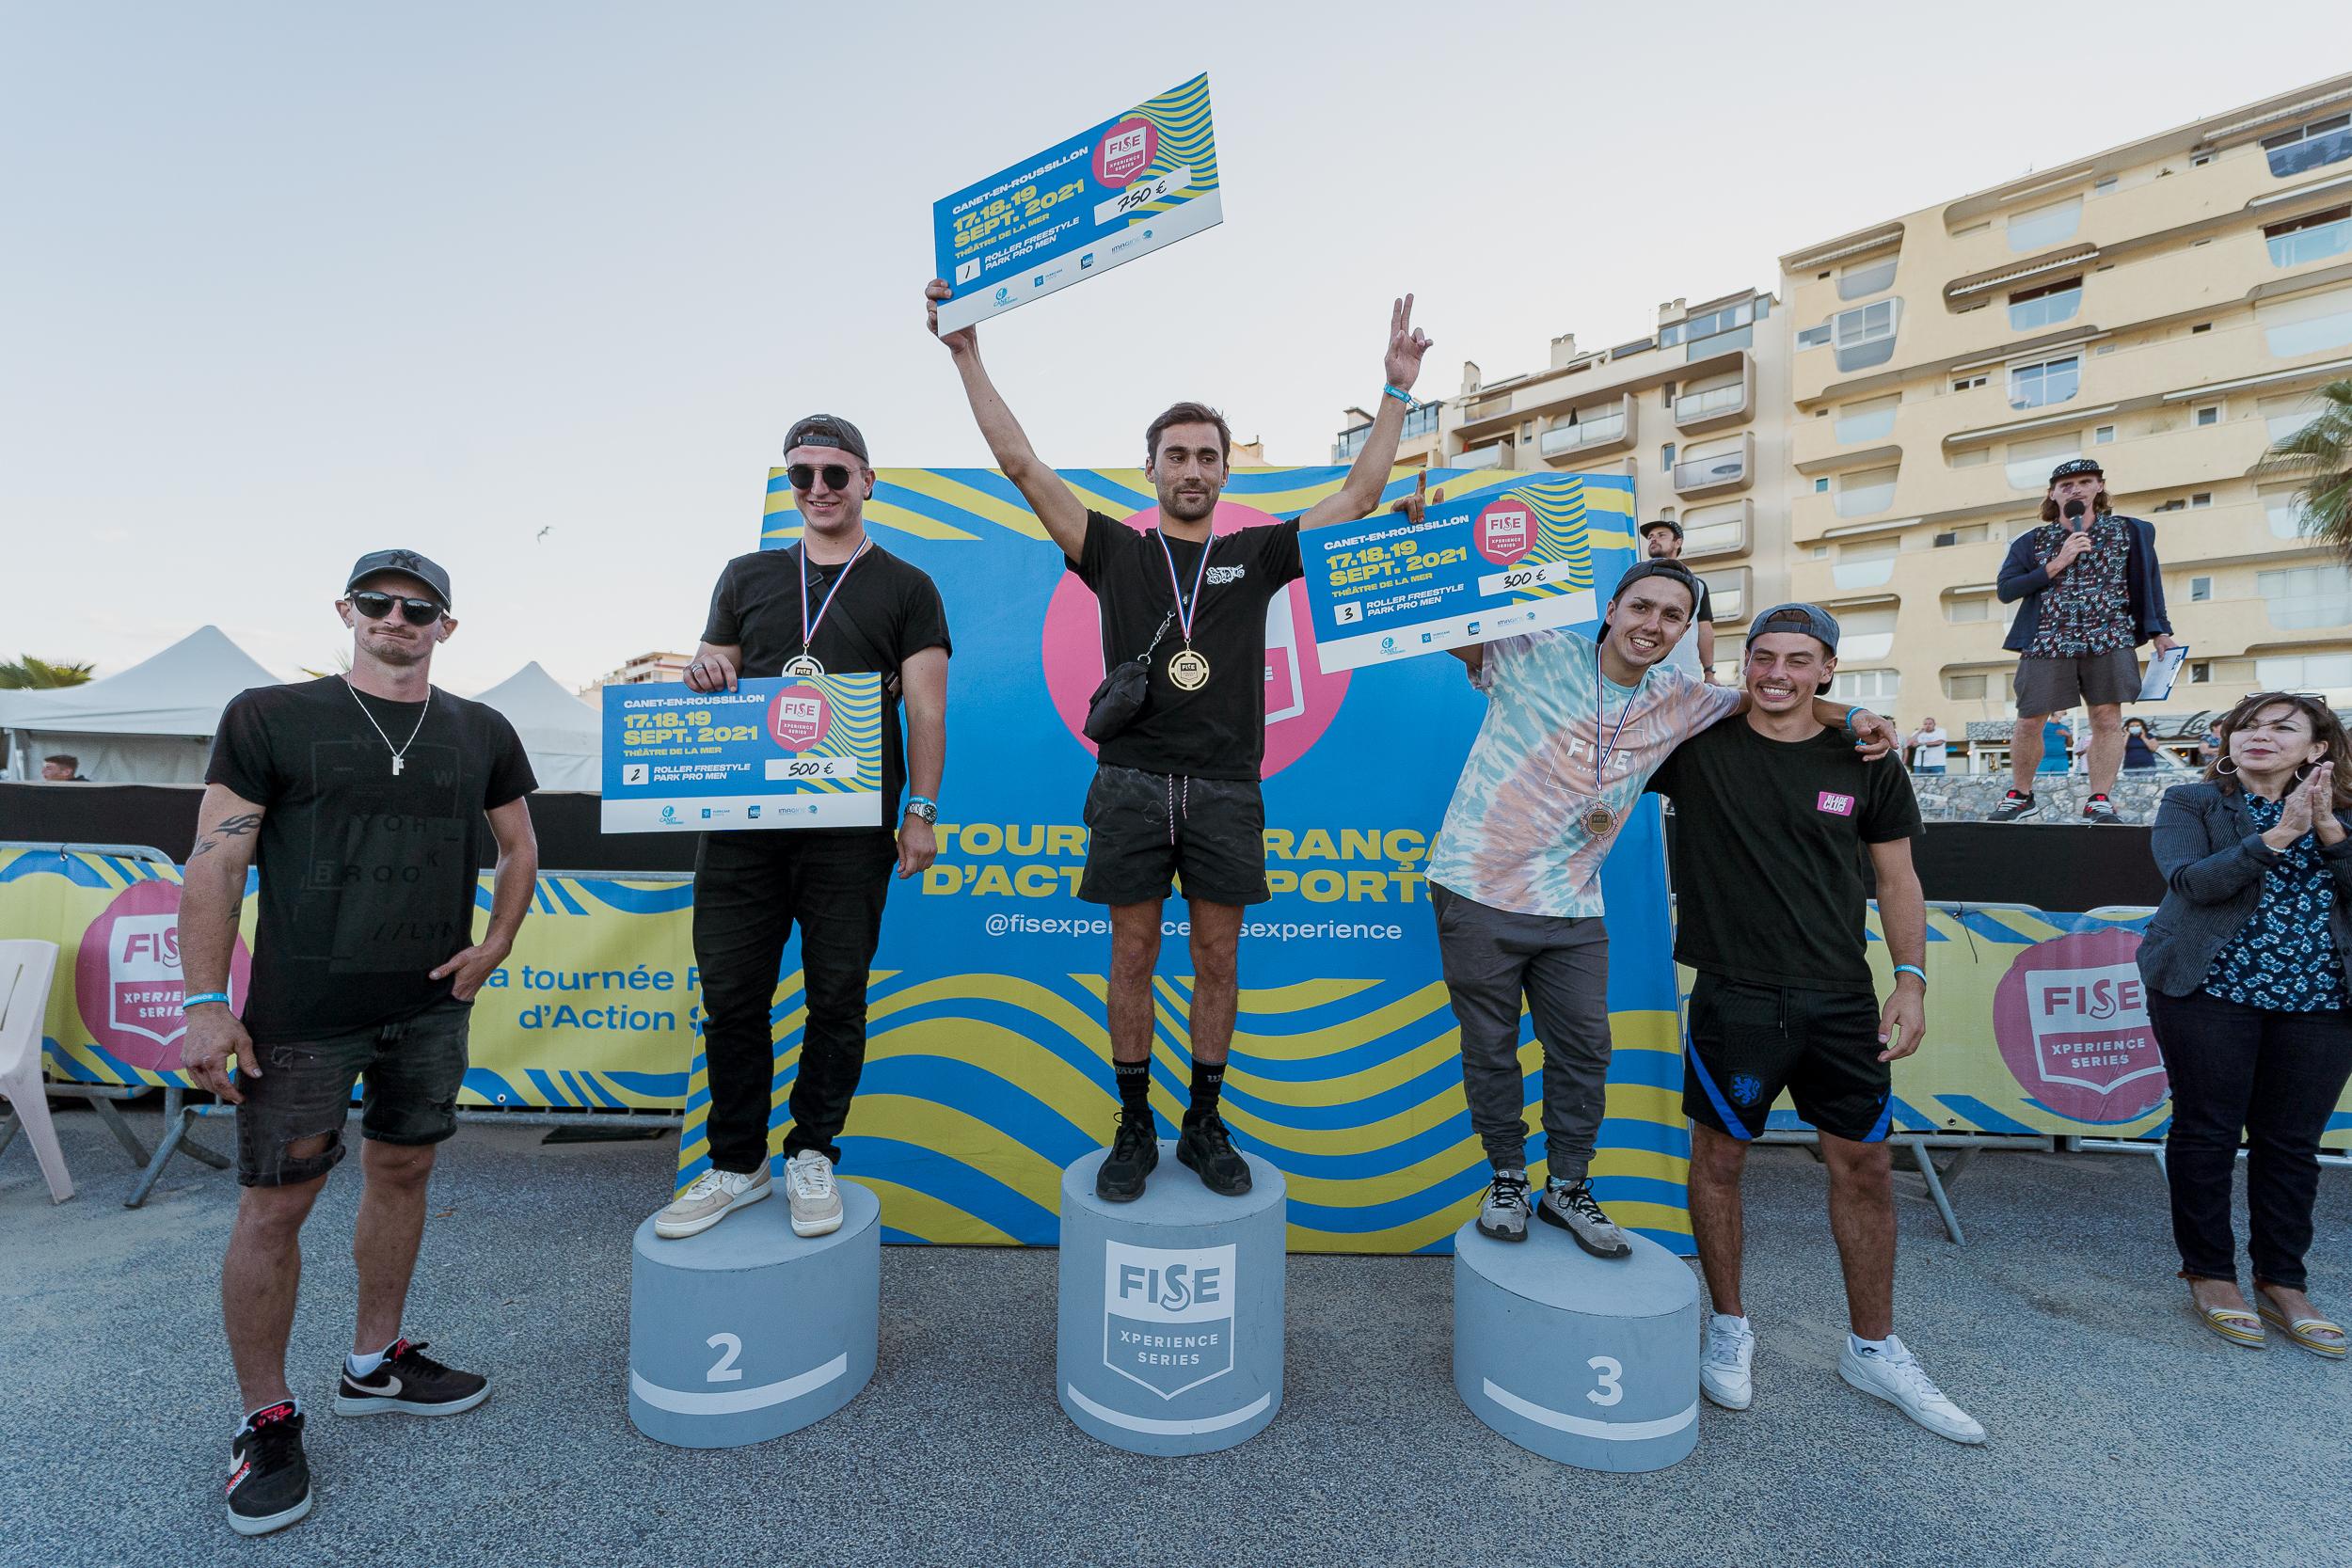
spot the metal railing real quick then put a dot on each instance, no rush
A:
(1727, 469)
(1585, 433)
(1717, 400)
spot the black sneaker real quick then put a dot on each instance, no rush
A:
(2015, 805)
(1207, 1147)
(2101, 812)
(410, 1383)
(1135, 1151)
(269, 1481)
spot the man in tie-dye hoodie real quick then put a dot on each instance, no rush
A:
(1573, 731)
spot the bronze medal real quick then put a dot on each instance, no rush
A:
(1188, 670)
(1598, 820)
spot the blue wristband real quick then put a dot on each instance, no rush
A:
(1913, 968)
(913, 798)
(1401, 395)
(203, 996)
(1850, 730)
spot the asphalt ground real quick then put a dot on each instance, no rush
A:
(2119, 1429)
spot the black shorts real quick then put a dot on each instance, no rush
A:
(1144, 829)
(414, 1068)
(1747, 1043)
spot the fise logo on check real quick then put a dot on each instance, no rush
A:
(1167, 1315)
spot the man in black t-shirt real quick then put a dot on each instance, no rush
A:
(1175, 792)
(1694, 652)
(839, 603)
(360, 799)
(1774, 819)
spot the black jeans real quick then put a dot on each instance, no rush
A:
(750, 890)
(2274, 1075)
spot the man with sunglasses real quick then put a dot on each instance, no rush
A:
(1176, 791)
(835, 603)
(367, 802)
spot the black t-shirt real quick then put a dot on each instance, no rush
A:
(1217, 732)
(888, 612)
(367, 877)
(1770, 853)
(1707, 606)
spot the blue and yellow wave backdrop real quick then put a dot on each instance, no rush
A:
(987, 1068)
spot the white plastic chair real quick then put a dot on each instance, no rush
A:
(27, 968)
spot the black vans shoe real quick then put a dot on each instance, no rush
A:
(409, 1382)
(1207, 1148)
(269, 1481)
(1135, 1151)
(2015, 806)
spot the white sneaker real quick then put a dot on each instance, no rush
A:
(815, 1201)
(1898, 1378)
(713, 1195)
(1725, 1360)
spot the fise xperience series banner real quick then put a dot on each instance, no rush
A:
(988, 1068)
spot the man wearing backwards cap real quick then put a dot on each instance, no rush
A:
(361, 802)
(1694, 654)
(2093, 592)
(835, 603)
(1572, 729)
(1773, 817)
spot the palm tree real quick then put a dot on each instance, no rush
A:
(27, 673)
(2320, 454)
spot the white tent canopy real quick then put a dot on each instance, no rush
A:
(152, 723)
(562, 734)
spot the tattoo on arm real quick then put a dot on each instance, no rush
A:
(229, 827)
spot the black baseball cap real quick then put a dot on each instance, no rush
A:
(1809, 619)
(1673, 570)
(1663, 522)
(2076, 466)
(405, 562)
(827, 430)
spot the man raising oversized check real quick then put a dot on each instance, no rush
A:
(1573, 730)
(1176, 791)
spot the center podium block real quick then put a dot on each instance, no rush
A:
(1590, 1361)
(1171, 1309)
(747, 1331)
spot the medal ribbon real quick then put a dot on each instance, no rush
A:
(1185, 612)
(1600, 711)
(808, 632)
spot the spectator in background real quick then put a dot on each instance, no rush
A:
(1930, 747)
(1693, 653)
(2210, 747)
(2249, 998)
(2092, 593)
(62, 769)
(2137, 754)
(2057, 746)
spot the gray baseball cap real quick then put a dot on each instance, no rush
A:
(827, 430)
(1809, 619)
(407, 562)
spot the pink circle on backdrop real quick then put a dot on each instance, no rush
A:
(1506, 530)
(2071, 1017)
(127, 981)
(798, 717)
(1300, 700)
(1125, 150)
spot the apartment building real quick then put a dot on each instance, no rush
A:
(1695, 414)
(642, 668)
(2169, 307)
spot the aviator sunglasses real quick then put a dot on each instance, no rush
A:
(804, 476)
(376, 606)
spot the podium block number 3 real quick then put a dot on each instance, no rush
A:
(725, 1370)
(1610, 1369)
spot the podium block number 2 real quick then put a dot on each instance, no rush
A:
(725, 1370)
(1610, 1369)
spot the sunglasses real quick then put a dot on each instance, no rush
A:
(804, 476)
(417, 612)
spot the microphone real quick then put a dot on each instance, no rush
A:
(2075, 510)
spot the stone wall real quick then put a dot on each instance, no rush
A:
(1971, 797)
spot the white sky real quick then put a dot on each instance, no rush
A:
(285, 283)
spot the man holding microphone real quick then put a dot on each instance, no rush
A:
(2093, 593)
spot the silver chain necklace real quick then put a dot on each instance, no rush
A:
(401, 750)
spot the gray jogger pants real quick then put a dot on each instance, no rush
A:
(1560, 965)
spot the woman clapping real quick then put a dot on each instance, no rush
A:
(2248, 994)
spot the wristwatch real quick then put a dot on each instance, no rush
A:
(924, 807)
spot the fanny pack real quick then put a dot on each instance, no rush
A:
(1120, 698)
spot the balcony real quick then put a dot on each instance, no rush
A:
(1605, 428)
(1718, 407)
(1349, 443)
(1719, 474)
(1418, 422)
(1495, 454)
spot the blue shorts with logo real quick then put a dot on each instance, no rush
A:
(1748, 1043)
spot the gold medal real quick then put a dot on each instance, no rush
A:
(1188, 670)
(1598, 820)
(802, 665)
